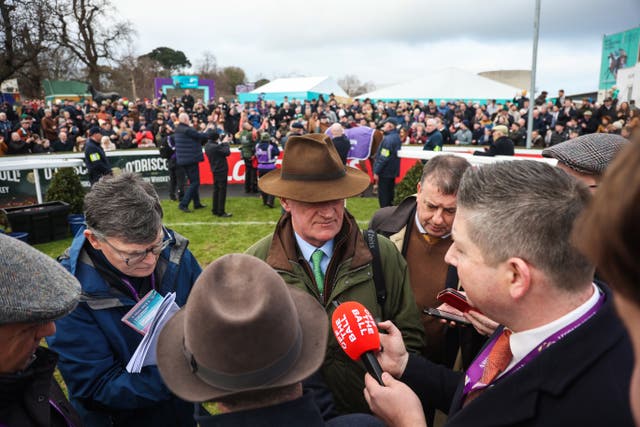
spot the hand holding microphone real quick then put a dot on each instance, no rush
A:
(357, 333)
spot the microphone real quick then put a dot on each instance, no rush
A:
(357, 333)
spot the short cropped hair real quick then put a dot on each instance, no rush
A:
(526, 209)
(445, 171)
(609, 230)
(125, 207)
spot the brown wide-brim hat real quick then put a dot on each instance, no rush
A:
(242, 329)
(313, 172)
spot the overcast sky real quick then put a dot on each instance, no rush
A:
(386, 42)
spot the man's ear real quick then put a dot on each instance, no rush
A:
(93, 240)
(285, 204)
(519, 277)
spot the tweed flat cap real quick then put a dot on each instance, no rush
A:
(33, 286)
(589, 154)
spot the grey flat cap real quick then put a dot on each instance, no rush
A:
(33, 286)
(589, 154)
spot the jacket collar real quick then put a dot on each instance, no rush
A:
(403, 214)
(348, 244)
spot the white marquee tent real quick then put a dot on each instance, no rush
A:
(296, 87)
(446, 84)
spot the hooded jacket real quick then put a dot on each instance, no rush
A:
(95, 345)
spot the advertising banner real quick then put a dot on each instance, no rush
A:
(619, 51)
(17, 187)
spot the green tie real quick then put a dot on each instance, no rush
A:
(316, 257)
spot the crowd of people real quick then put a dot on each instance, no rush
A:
(544, 345)
(518, 241)
(144, 123)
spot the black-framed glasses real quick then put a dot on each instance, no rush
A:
(132, 258)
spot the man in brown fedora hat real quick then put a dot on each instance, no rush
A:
(318, 247)
(246, 340)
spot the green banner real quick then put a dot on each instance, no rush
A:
(17, 187)
(618, 51)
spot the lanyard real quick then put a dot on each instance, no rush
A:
(133, 290)
(474, 373)
(61, 412)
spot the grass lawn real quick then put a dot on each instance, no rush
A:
(211, 237)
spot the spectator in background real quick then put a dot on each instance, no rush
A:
(435, 139)
(40, 145)
(267, 155)
(15, 145)
(340, 141)
(560, 100)
(24, 131)
(542, 98)
(106, 144)
(518, 133)
(588, 123)
(501, 144)
(145, 138)
(608, 110)
(386, 167)
(35, 291)
(49, 126)
(559, 134)
(417, 134)
(463, 135)
(188, 143)
(217, 153)
(62, 143)
(95, 158)
(248, 138)
(187, 100)
(5, 126)
(124, 253)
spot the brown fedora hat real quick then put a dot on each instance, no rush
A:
(241, 329)
(313, 172)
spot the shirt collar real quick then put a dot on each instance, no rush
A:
(522, 343)
(308, 249)
(423, 231)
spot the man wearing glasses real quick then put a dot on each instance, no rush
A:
(124, 253)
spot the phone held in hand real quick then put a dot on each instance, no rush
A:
(447, 316)
(456, 300)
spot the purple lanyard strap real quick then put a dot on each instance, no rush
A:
(474, 373)
(133, 290)
(61, 412)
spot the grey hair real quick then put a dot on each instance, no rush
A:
(183, 118)
(125, 207)
(446, 172)
(526, 209)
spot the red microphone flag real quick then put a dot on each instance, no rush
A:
(355, 329)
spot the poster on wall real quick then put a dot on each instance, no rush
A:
(620, 50)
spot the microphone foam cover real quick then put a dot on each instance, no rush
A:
(355, 329)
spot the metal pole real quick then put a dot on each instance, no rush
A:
(534, 61)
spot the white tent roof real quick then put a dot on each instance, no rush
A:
(322, 84)
(448, 83)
